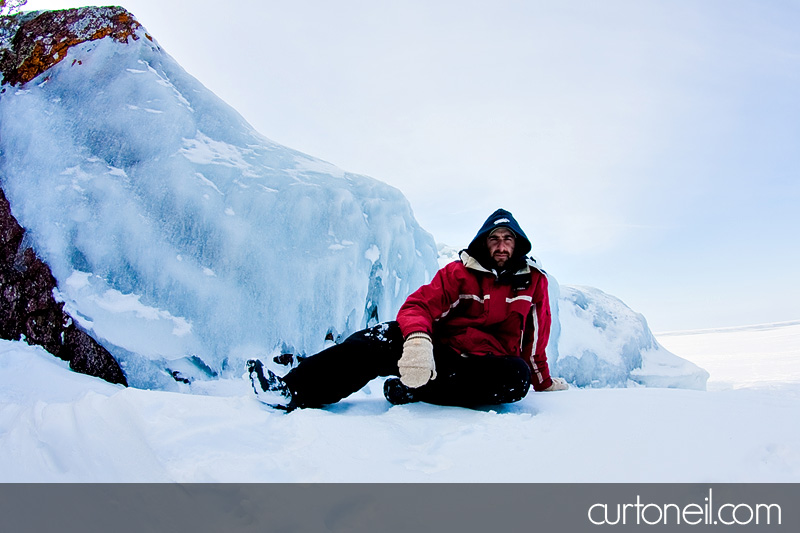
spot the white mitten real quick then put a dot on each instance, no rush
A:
(416, 365)
(558, 384)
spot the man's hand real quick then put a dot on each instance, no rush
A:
(416, 365)
(558, 384)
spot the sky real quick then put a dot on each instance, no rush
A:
(648, 148)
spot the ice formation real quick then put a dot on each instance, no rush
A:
(186, 242)
(601, 342)
(176, 230)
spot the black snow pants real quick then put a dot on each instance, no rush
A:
(462, 380)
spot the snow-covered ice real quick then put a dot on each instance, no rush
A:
(600, 342)
(176, 230)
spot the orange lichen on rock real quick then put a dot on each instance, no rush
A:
(43, 41)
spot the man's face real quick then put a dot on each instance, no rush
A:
(501, 245)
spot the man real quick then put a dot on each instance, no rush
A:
(475, 335)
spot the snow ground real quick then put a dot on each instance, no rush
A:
(745, 357)
(58, 426)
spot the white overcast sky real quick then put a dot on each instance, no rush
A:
(649, 148)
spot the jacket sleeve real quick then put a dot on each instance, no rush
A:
(536, 335)
(430, 302)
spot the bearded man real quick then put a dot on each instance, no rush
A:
(475, 335)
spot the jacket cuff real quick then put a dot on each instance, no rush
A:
(419, 335)
(539, 387)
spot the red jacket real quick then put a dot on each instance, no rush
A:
(466, 308)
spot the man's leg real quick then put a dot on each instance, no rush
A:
(475, 380)
(342, 369)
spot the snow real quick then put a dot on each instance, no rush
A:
(763, 352)
(56, 425)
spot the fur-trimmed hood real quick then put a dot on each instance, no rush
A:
(528, 265)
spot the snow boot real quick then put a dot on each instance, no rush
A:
(397, 393)
(270, 389)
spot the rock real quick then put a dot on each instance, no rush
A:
(29, 310)
(37, 41)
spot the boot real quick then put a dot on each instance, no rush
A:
(397, 393)
(270, 389)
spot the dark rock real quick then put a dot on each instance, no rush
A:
(28, 308)
(88, 357)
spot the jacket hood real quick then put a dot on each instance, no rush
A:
(499, 219)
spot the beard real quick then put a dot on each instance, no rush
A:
(501, 259)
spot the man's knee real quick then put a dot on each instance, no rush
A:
(383, 333)
(378, 347)
(516, 379)
(521, 369)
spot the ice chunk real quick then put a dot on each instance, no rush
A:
(601, 342)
